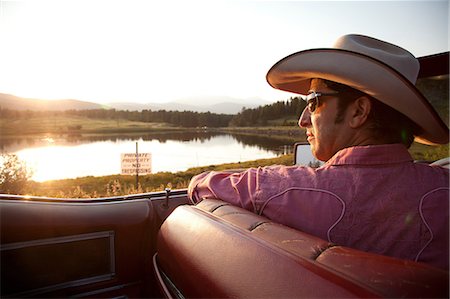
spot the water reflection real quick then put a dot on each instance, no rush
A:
(56, 157)
(11, 144)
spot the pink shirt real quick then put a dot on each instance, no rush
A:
(373, 198)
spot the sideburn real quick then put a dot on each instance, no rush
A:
(346, 96)
(343, 103)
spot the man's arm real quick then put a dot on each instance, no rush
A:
(237, 188)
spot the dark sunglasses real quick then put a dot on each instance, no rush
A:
(312, 99)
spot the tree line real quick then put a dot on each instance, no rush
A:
(175, 118)
(261, 115)
(247, 117)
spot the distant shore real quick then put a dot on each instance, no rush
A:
(71, 126)
(76, 125)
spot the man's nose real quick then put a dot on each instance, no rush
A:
(305, 119)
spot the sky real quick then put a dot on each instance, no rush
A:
(161, 51)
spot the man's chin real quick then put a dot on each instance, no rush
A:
(313, 150)
(318, 155)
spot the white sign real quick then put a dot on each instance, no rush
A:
(130, 163)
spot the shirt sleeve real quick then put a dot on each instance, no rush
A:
(238, 188)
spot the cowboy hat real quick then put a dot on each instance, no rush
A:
(380, 69)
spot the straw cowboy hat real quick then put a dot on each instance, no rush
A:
(377, 68)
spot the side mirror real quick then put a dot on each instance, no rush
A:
(304, 157)
(445, 162)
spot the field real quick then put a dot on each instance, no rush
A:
(75, 125)
(121, 185)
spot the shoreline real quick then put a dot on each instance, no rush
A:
(114, 185)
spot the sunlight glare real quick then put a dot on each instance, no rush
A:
(144, 50)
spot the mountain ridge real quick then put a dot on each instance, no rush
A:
(219, 105)
(8, 101)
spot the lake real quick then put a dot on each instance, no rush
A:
(53, 157)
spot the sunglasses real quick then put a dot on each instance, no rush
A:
(312, 99)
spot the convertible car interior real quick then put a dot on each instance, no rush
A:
(159, 245)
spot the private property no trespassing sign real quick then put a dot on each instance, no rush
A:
(132, 164)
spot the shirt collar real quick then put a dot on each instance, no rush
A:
(371, 155)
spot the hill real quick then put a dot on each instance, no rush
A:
(219, 105)
(213, 104)
(12, 102)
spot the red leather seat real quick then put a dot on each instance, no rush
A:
(222, 251)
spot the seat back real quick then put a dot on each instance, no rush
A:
(218, 250)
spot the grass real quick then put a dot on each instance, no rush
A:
(429, 153)
(115, 185)
(73, 124)
(82, 125)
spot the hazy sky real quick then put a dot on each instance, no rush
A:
(157, 51)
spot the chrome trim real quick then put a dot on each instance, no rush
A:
(105, 290)
(169, 289)
(64, 285)
(150, 195)
(58, 240)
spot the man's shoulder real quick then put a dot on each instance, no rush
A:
(432, 168)
(432, 176)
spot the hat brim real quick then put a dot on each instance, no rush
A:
(293, 74)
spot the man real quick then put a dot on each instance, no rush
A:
(363, 112)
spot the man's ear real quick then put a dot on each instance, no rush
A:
(359, 110)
